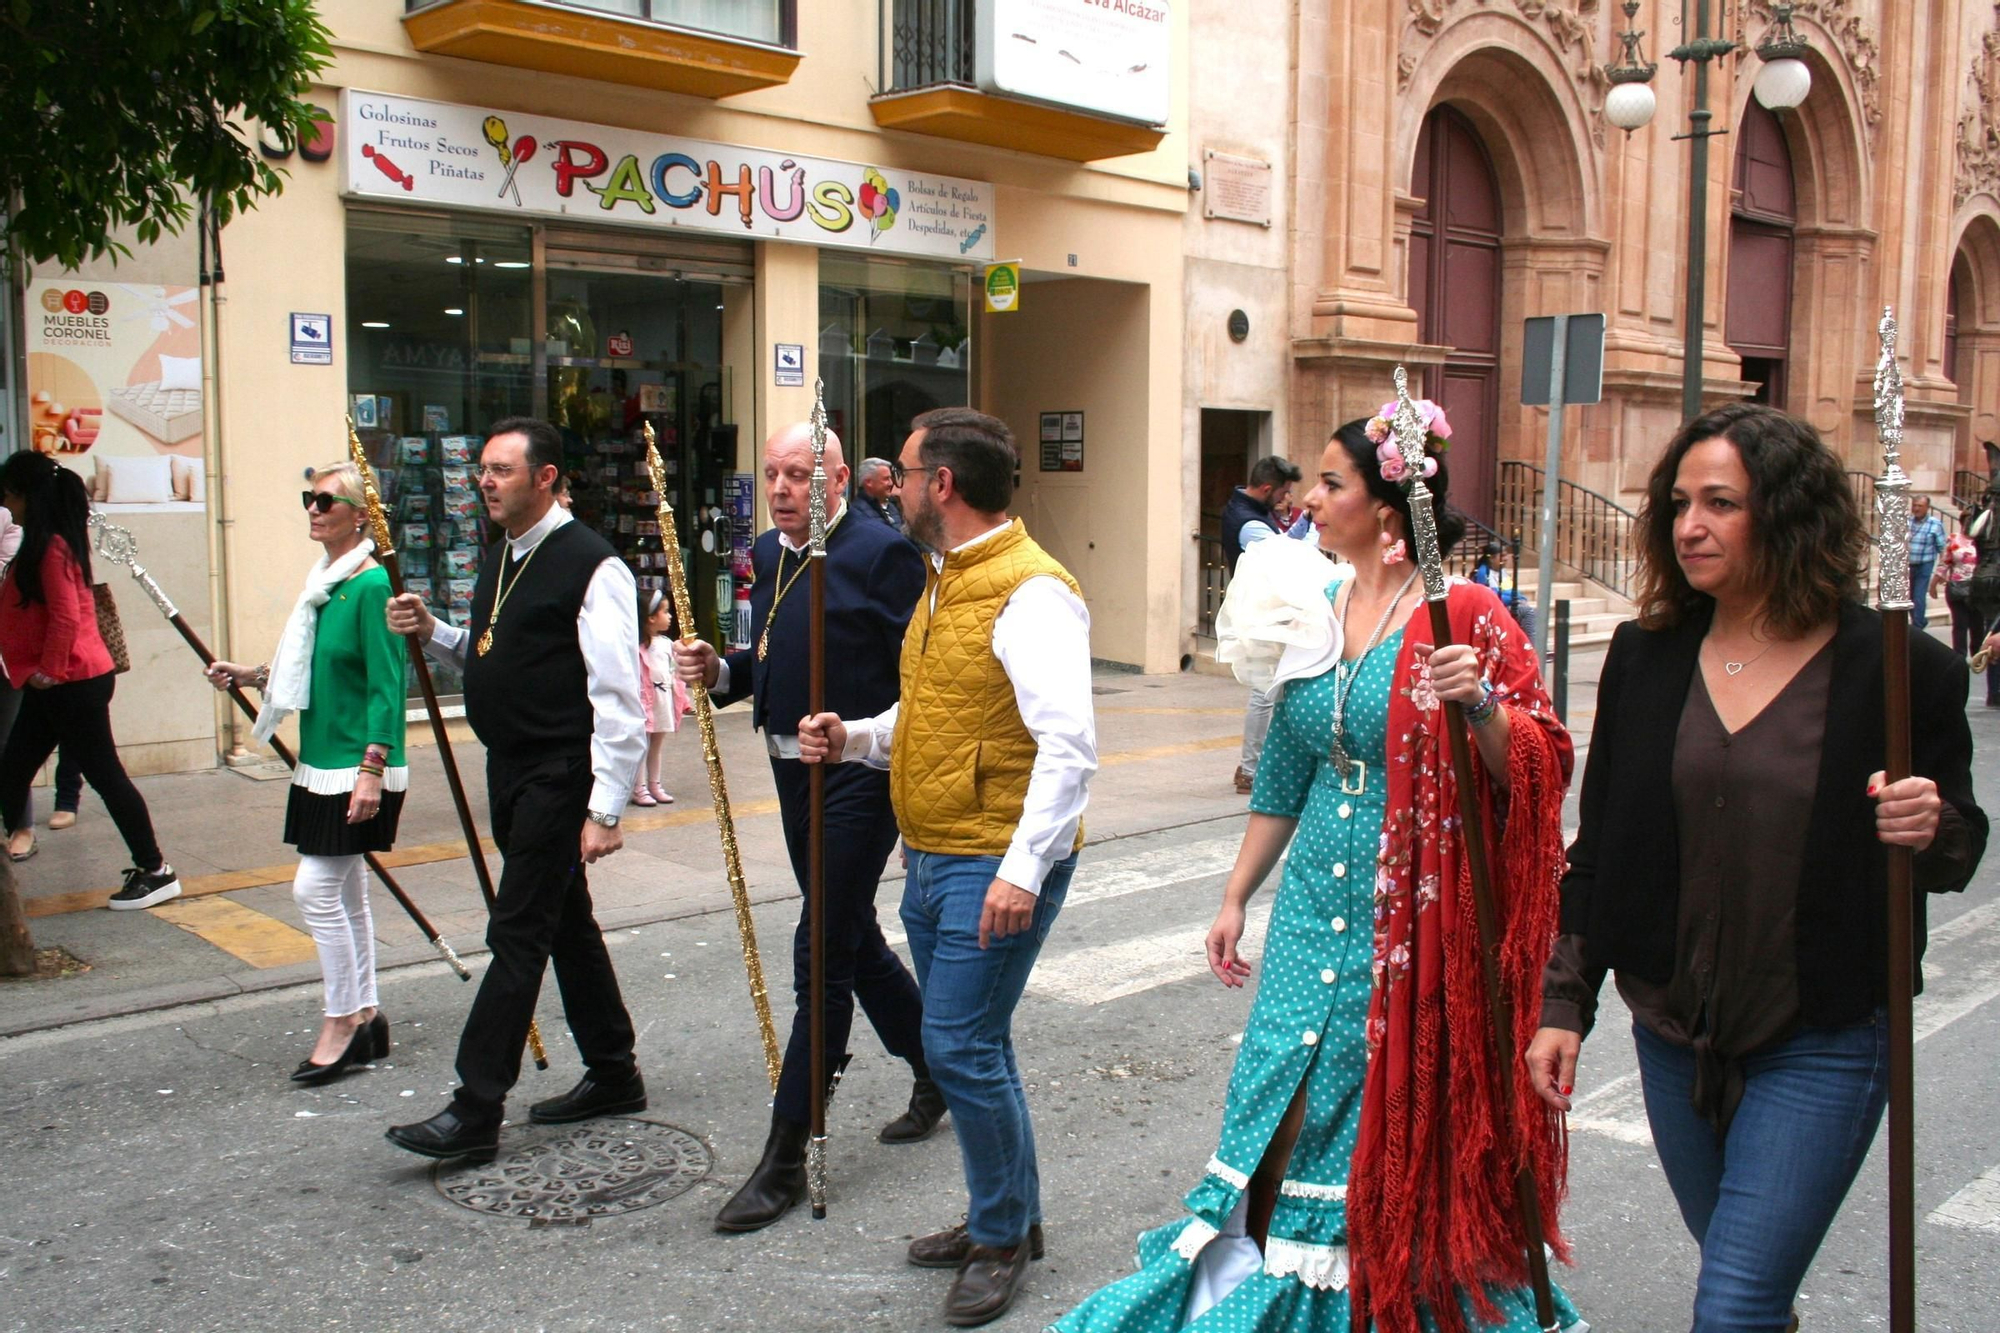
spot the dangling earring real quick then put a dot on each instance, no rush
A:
(1393, 552)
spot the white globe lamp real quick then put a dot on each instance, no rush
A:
(1783, 83)
(1629, 105)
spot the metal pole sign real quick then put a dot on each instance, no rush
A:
(1562, 362)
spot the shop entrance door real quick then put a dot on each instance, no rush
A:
(630, 342)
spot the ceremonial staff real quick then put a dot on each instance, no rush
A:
(704, 713)
(385, 552)
(1893, 591)
(816, 816)
(1408, 427)
(120, 546)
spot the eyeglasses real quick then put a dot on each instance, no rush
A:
(497, 471)
(897, 472)
(324, 501)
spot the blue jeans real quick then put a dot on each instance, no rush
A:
(1920, 591)
(969, 998)
(1760, 1200)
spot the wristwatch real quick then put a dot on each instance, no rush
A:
(602, 821)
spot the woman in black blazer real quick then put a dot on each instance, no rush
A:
(1730, 866)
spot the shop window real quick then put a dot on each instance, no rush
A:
(626, 350)
(894, 341)
(439, 329)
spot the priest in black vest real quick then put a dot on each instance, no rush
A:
(551, 667)
(873, 579)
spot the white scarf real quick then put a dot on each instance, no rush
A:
(290, 688)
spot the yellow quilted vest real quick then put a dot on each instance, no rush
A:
(958, 772)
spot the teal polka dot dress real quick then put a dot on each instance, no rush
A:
(1307, 1023)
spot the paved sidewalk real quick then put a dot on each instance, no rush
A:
(1167, 743)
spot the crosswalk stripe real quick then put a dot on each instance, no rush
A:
(1113, 971)
(1974, 1208)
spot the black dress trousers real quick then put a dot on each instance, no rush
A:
(542, 913)
(860, 834)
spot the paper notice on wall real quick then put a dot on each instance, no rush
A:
(115, 389)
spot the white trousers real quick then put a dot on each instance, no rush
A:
(1256, 726)
(332, 894)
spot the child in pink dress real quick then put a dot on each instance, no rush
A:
(661, 693)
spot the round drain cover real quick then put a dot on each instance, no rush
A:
(602, 1168)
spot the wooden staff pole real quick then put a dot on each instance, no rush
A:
(121, 547)
(1894, 593)
(385, 551)
(1408, 428)
(816, 815)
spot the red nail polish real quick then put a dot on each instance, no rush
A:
(1566, 1089)
(1873, 789)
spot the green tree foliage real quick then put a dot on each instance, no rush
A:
(123, 114)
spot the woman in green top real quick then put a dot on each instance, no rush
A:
(339, 667)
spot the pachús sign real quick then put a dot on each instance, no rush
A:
(412, 151)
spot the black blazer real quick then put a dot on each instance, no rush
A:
(873, 579)
(1623, 886)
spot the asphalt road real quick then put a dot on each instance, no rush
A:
(158, 1172)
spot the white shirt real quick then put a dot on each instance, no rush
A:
(796, 548)
(607, 630)
(1042, 638)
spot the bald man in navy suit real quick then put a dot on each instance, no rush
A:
(874, 576)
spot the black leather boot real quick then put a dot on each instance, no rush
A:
(778, 1182)
(920, 1121)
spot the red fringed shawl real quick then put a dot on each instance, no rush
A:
(1431, 1203)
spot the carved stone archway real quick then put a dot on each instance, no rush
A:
(1833, 257)
(1978, 251)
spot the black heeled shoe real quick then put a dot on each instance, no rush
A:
(377, 1029)
(360, 1050)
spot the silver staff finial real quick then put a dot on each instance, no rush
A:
(817, 505)
(1892, 488)
(1407, 429)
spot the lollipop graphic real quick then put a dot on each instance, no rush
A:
(495, 130)
(877, 203)
(524, 148)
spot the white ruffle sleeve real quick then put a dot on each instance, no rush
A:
(1276, 623)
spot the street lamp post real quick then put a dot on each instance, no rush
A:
(1782, 84)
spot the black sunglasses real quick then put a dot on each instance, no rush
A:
(323, 501)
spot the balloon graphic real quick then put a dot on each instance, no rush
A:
(877, 203)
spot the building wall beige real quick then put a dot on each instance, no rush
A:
(1105, 236)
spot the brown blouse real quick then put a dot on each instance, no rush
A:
(1742, 804)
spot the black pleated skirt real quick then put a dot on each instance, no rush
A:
(317, 825)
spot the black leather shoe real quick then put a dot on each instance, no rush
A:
(591, 1098)
(778, 1182)
(448, 1134)
(947, 1249)
(920, 1121)
(986, 1285)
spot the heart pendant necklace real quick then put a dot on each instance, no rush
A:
(1736, 668)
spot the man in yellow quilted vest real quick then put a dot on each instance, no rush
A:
(990, 749)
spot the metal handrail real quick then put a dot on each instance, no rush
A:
(1967, 488)
(1594, 536)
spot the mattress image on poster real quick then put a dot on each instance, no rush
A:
(114, 380)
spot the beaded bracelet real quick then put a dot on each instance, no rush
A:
(1489, 703)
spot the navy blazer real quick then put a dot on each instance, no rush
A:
(1622, 889)
(873, 579)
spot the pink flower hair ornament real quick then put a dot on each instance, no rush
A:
(1437, 431)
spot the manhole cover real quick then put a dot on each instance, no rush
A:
(601, 1169)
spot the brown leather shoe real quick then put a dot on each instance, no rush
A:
(1244, 782)
(947, 1249)
(986, 1285)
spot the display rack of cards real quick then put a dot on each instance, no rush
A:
(430, 486)
(612, 491)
